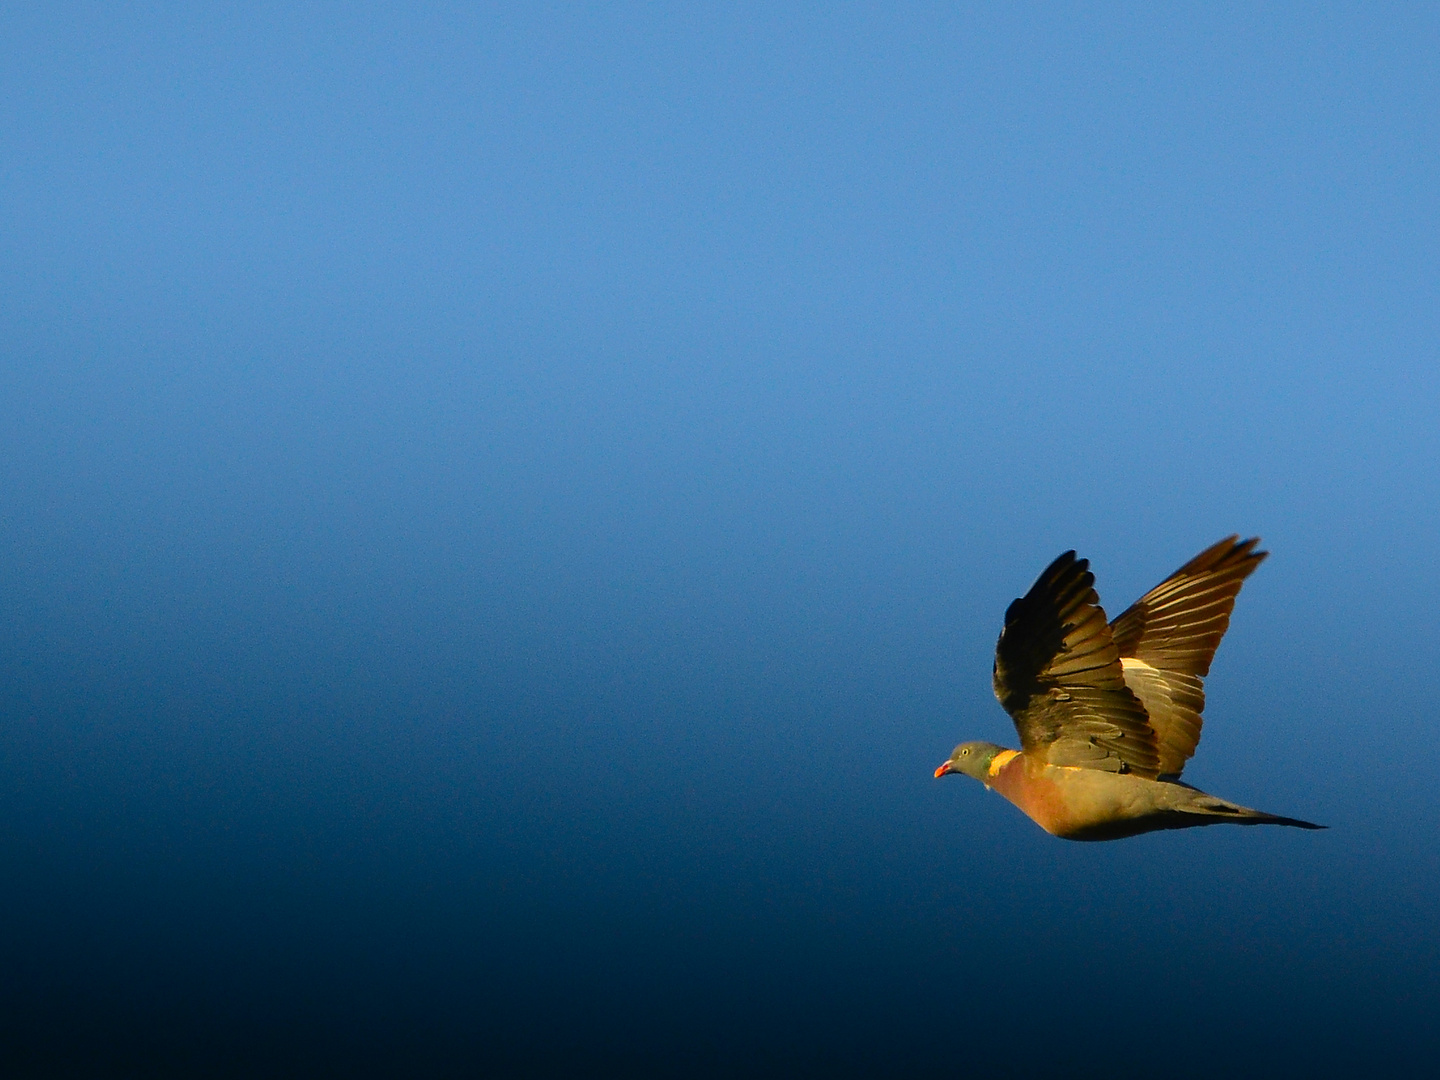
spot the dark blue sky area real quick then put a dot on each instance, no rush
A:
(503, 509)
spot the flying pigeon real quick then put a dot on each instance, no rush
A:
(1108, 713)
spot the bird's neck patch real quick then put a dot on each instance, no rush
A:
(1000, 760)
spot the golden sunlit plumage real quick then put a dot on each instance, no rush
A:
(1109, 712)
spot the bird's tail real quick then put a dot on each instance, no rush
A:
(1209, 806)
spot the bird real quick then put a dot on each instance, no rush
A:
(1109, 712)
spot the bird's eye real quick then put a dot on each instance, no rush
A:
(964, 753)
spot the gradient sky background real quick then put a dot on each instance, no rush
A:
(503, 510)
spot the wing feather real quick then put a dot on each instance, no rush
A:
(1058, 675)
(1167, 639)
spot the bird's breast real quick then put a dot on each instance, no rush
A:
(1068, 801)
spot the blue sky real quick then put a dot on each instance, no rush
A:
(504, 509)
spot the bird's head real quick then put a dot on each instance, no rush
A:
(971, 758)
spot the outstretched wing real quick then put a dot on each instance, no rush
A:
(1168, 637)
(1057, 672)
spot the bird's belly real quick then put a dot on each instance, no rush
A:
(1080, 804)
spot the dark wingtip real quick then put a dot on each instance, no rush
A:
(1247, 549)
(1013, 611)
(1059, 566)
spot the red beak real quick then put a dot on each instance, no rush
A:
(942, 770)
